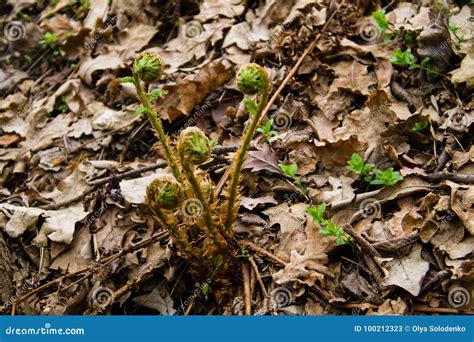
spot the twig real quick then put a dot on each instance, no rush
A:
(363, 243)
(105, 262)
(373, 268)
(435, 280)
(263, 252)
(444, 156)
(440, 176)
(246, 281)
(259, 277)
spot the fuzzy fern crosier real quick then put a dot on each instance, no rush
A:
(199, 223)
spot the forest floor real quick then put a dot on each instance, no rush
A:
(357, 191)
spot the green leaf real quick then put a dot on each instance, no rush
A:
(267, 130)
(387, 177)
(317, 212)
(141, 110)
(50, 40)
(356, 164)
(250, 106)
(218, 261)
(205, 287)
(453, 28)
(400, 57)
(289, 169)
(380, 18)
(156, 93)
(127, 79)
(420, 126)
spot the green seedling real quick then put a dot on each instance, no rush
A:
(371, 174)
(406, 58)
(290, 170)
(420, 126)
(387, 177)
(358, 166)
(454, 29)
(384, 25)
(267, 130)
(328, 228)
(50, 40)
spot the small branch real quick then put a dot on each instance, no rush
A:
(435, 280)
(89, 269)
(362, 242)
(247, 295)
(440, 176)
(259, 250)
(259, 277)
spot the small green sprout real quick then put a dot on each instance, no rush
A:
(317, 212)
(420, 126)
(156, 93)
(403, 58)
(25, 16)
(453, 28)
(267, 130)
(387, 177)
(250, 106)
(290, 170)
(50, 40)
(380, 18)
(406, 58)
(371, 174)
(328, 228)
(358, 166)
(384, 25)
(127, 79)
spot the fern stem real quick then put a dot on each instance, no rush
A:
(189, 173)
(239, 159)
(158, 127)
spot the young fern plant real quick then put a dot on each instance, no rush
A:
(148, 68)
(252, 79)
(184, 204)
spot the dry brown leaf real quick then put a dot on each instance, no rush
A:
(407, 272)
